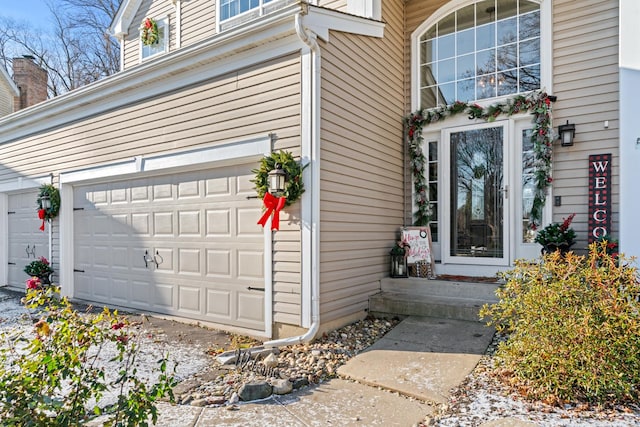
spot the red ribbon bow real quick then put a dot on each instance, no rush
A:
(273, 204)
(41, 214)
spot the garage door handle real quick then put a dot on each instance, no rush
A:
(251, 288)
(75, 270)
(12, 263)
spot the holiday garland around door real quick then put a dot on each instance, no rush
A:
(537, 103)
(149, 32)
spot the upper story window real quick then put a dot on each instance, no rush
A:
(488, 49)
(162, 43)
(235, 12)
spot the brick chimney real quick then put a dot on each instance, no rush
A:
(31, 80)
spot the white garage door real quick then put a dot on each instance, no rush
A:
(185, 244)
(26, 241)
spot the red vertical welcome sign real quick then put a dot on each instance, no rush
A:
(599, 196)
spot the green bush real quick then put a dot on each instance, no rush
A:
(52, 377)
(573, 325)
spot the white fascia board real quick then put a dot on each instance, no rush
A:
(9, 81)
(321, 21)
(243, 46)
(217, 155)
(22, 183)
(122, 21)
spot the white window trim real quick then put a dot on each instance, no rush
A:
(366, 8)
(546, 76)
(245, 16)
(164, 23)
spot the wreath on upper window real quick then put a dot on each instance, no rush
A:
(294, 187)
(149, 32)
(48, 191)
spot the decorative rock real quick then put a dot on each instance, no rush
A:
(199, 402)
(254, 391)
(300, 382)
(281, 386)
(271, 361)
(234, 399)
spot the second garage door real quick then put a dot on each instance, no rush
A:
(183, 244)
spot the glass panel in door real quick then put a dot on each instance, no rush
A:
(477, 199)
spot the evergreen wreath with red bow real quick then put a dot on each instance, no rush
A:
(52, 193)
(149, 32)
(292, 191)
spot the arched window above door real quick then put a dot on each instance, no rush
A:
(482, 50)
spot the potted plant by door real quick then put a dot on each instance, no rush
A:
(40, 269)
(557, 236)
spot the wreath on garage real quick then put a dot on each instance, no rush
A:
(294, 187)
(48, 191)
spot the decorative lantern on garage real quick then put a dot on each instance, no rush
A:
(277, 180)
(399, 259)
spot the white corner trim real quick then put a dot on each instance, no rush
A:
(9, 81)
(217, 155)
(124, 16)
(320, 21)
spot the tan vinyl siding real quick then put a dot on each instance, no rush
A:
(340, 5)
(148, 9)
(585, 79)
(6, 101)
(361, 163)
(198, 21)
(252, 102)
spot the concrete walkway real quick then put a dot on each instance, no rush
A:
(422, 358)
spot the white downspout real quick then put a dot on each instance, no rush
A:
(310, 231)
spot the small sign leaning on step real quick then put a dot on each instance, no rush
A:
(420, 259)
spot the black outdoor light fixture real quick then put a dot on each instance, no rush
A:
(277, 179)
(567, 132)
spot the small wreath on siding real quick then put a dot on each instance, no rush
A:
(294, 188)
(149, 32)
(48, 190)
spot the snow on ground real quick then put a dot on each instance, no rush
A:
(152, 345)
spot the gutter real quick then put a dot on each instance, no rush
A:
(310, 231)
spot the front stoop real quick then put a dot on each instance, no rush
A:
(456, 300)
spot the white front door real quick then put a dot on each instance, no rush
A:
(26, 241)
(476, 194)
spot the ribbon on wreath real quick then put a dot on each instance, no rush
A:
(41, 214)
(273, 205)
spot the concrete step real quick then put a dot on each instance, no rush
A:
(456, 300)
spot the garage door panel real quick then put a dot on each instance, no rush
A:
(140, 223)
(189, 261)
(219, 263)
(189, 299)
(250, 307)
(218, 304)
(197, 227)
(250, 264)
(163, 192)
(163, 224)
(141, 292)
(246, 220)
(217, 187)
(217, 222)
(189, 223)
(120, 291)
(164, 296)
